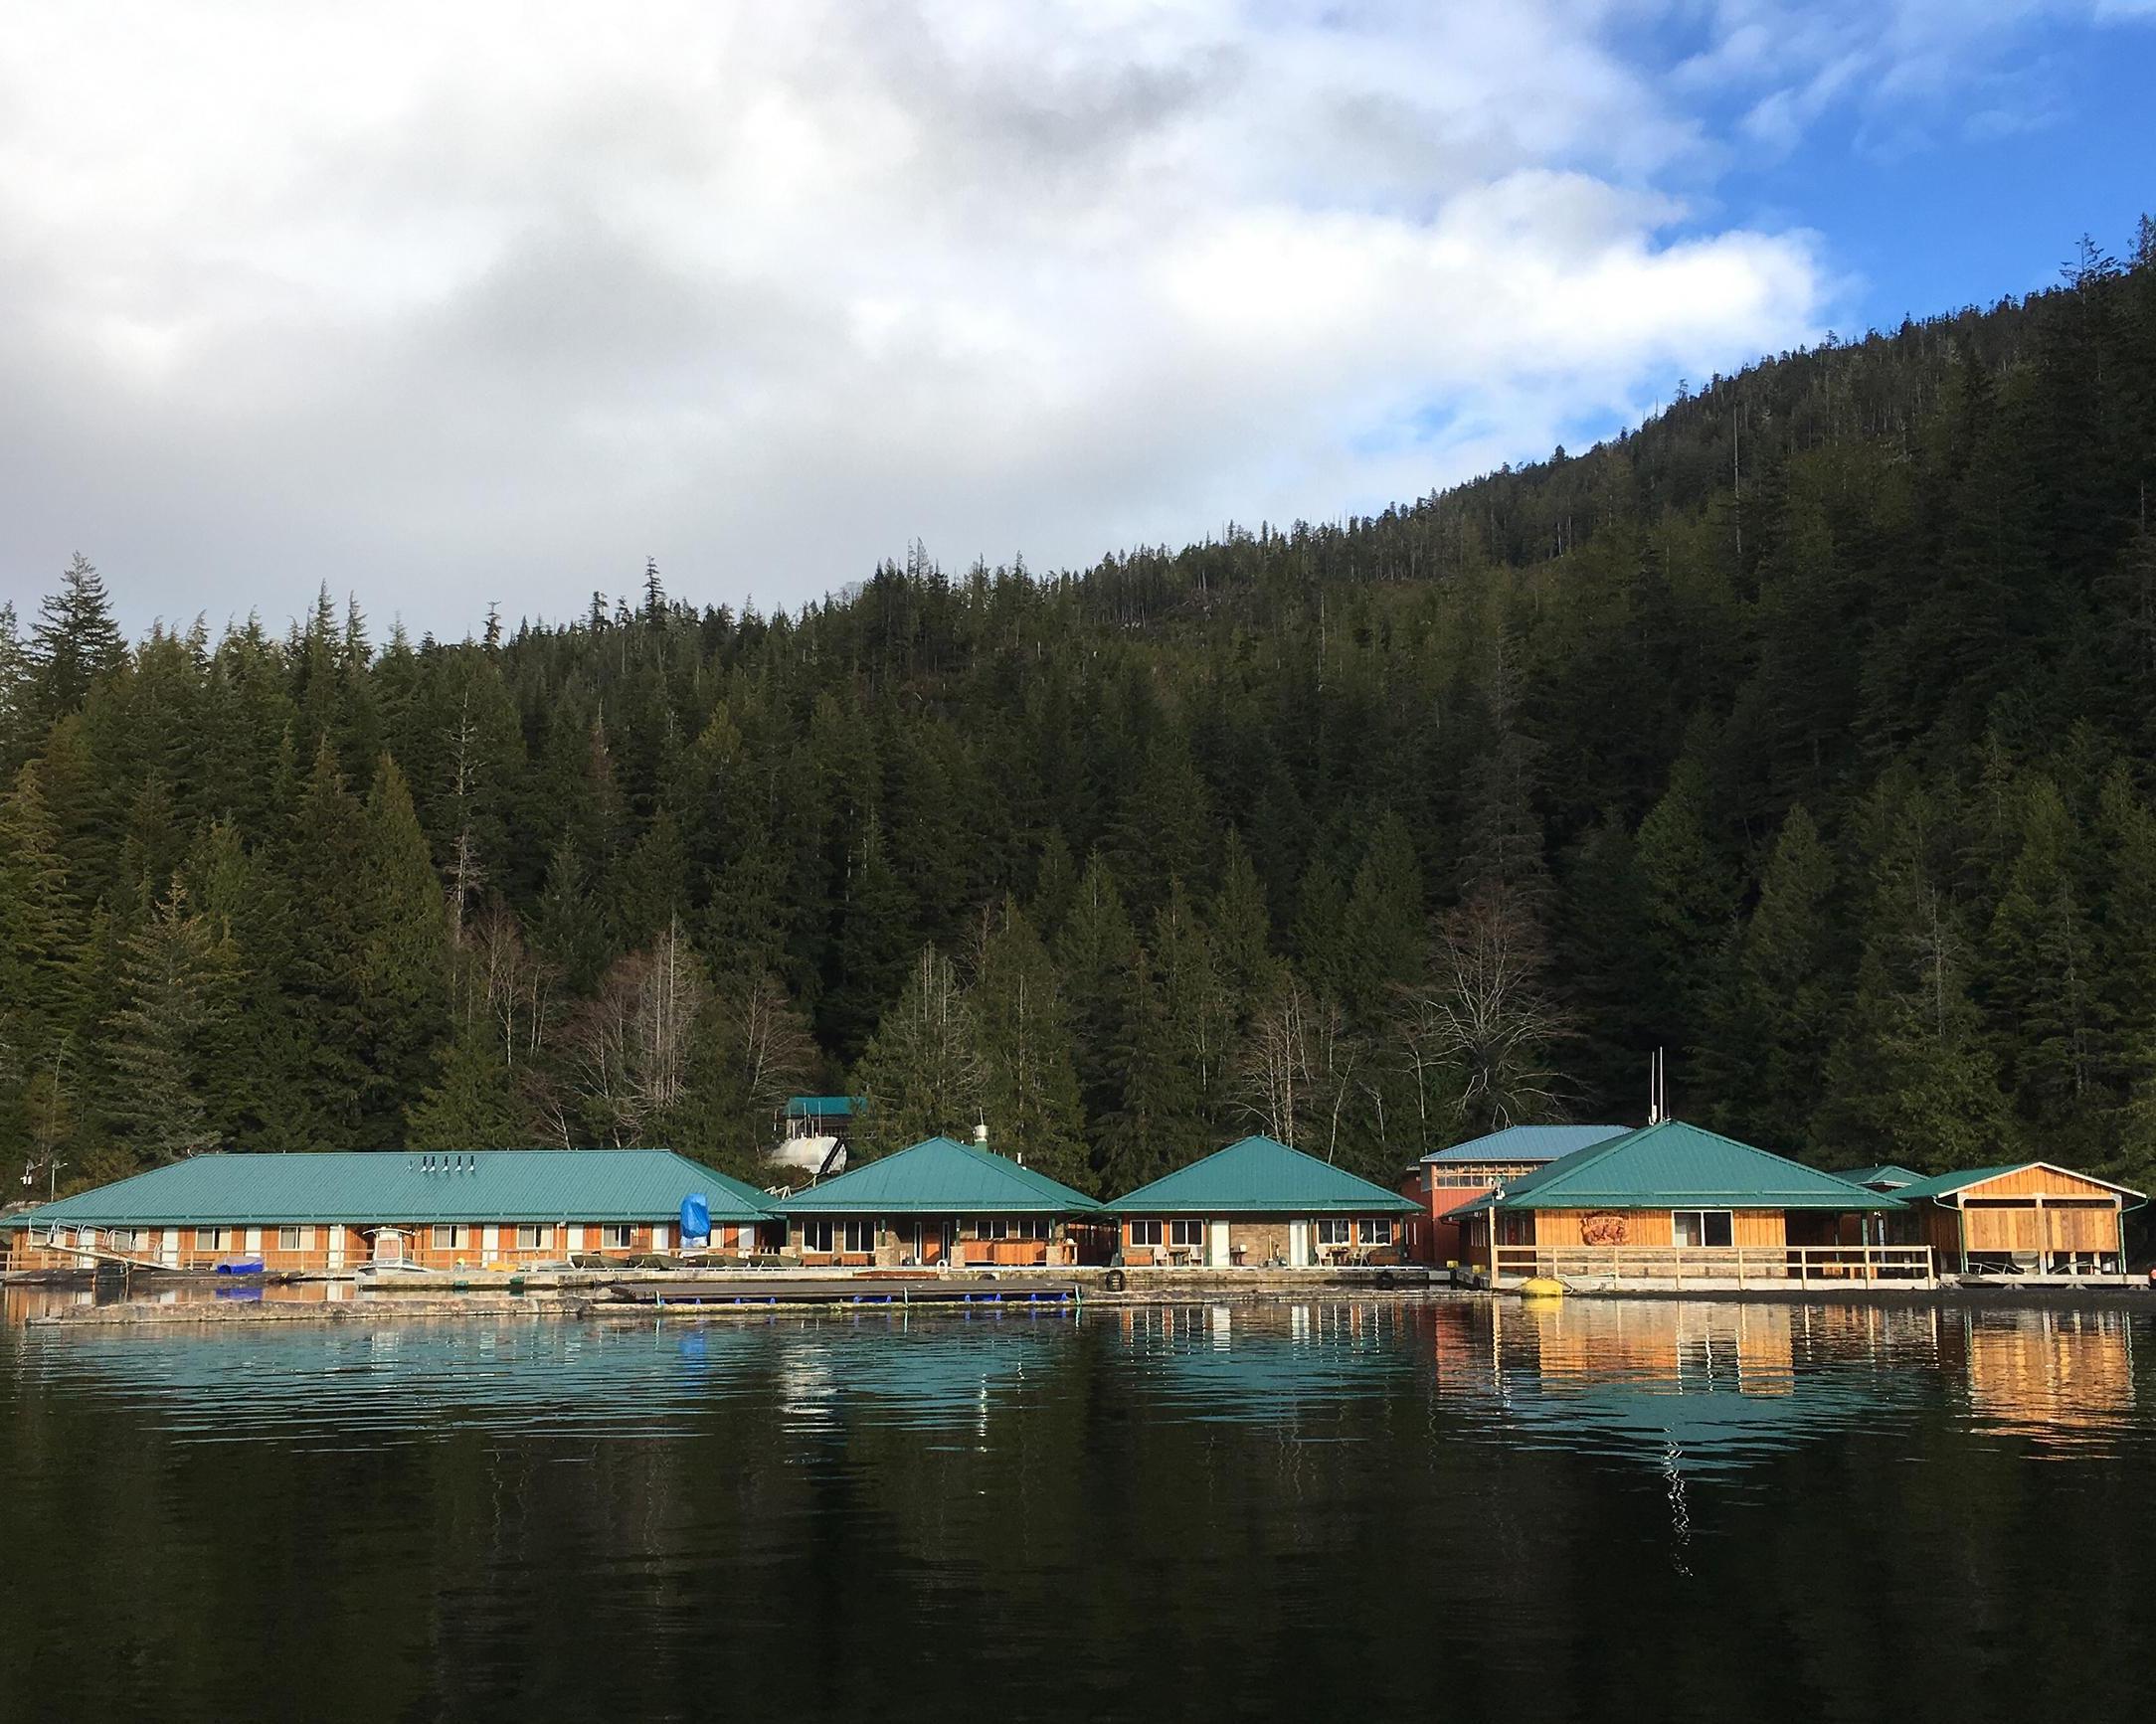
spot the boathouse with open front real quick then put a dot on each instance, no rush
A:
(1442, 1181)
(1259, 1204)
(1672, 1201)
(333, 1211)
(936, 1202)
(2021, 1219)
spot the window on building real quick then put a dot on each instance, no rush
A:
(288, 1239)
(1700, 1227)
(1187, 1233)
(1145, 1233)
(452, 1238)
(1011, 1227)
(120, 1238)
(1377, 1230)
(1480, 1175)
(858, 1235)
(1335, 1230)
(815, 1236)
(212, 1239)
(531, 1238)
(617, 1236)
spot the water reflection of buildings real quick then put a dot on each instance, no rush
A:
(1682, 1346)
(1688, 1386)
(1698, 1384)
(2045, 1373)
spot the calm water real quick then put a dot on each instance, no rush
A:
(1595, 1510)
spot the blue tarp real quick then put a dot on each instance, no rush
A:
(695, 1218)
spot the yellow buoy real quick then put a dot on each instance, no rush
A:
(1541, 1287)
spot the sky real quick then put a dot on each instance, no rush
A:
(451, 306)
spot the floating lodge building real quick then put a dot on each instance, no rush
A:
(1260, 1204)
(1672, 1201)
(334, 1211)
(1669, 1202)
(937, 1202)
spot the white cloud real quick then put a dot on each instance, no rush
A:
(454, 304)
(1905, 71)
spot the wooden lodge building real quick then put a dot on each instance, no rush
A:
(1441, 1183)
(2024, 1218)
(1259, 1204)
(1672, 1201)
(937, 1202)
(334, 1211)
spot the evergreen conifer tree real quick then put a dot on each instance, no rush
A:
(1030, 1086)
(74, 641)
(922, 1074)
(175, 974)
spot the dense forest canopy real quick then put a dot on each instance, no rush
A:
(1808, 732)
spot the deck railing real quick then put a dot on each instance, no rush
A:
(1765, 1264)
(66, 1249)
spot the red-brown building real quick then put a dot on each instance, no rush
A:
(1443, 1181)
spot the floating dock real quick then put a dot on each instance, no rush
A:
(703, 1292)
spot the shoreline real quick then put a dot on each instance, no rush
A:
(722, 1303)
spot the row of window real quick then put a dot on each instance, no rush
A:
(860, 1236)
(1183, 1233)
(853, 1236)
(1011, 1227)
(1326, 1230)
(538, 1237)
(1480, 1177)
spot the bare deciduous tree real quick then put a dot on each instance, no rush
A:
(1297, 1069)
(771, 1044)
(467, 874)
(504, 984)
(628, 1050)
(1486, 1026)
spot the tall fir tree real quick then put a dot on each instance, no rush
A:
(74, 641)
(1029, 1083)
(922, 1074)
(176, 974)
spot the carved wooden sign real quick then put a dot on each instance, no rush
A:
(1606, 1227)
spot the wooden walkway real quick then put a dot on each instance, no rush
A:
(830, 1291)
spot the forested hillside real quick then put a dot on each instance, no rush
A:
(1808, 732)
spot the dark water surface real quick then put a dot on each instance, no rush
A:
(1333, 1510)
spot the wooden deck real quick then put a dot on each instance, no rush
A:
(1738, 1267)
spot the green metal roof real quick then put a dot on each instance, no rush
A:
(937, 1176)
(1944, 1185)
(1888, 1174)
(1259, 1176)
(399, 1185)
(820, 1107)
(1528, 1143)
(1674, 1165)
(1941, 1183)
